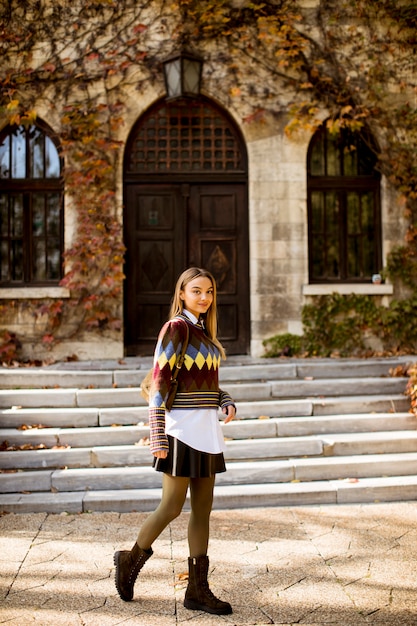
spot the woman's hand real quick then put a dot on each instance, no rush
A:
(161, 454)
(230, 412)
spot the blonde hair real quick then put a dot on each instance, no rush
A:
(177, 304)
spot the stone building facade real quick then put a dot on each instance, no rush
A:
(248, 220)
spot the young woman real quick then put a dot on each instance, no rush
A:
(187, 441)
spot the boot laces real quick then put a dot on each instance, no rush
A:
(137, 566)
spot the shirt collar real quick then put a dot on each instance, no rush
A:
(190, 316)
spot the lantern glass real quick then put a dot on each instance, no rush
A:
(182, 75)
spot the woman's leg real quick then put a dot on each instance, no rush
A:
(129, 563)
(201, 493)
(174, 491)
(198, 596)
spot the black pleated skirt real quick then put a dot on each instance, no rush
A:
(182, 460)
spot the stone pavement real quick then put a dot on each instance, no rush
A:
(343, 565)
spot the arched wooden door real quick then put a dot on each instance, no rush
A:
(185, 204)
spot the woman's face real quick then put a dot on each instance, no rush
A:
(198, 295)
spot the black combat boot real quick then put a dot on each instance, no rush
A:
(128, 565)
(198, 595)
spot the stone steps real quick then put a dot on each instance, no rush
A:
(238, 473)
(385, 489)
(237, 450)
(241, 392)
(238, 429)
(309, 431)
(129, 373)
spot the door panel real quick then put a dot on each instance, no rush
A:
(154, 238)
(218, 241)
(171, 227)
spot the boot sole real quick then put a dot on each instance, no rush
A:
(196, 606)
(116, 562)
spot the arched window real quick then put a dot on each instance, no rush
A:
(344, 231)
(31, 207)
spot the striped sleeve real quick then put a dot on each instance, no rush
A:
(158, 438)
(225, 399)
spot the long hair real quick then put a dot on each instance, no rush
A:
(177, 304)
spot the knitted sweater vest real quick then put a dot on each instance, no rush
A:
(198, 379)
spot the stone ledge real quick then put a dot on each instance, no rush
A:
(347, 288)
(19, 293)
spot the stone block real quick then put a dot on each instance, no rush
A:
(46, 398)
(44, 459)
(25, 481)
(354, 467)
(389, 489)
(370, 443)
(250, 429)
(275, 408)
(30, 379)
(258, 372)
(304, 426)
(61, 418)
(294, 494)
(32, 436)
(249, 391)
(109, 397)
(129, 378)
(124, 415)
(337, 387)
(102, 436)
(123, 501)
(273, 449)
(106, 479)
(361, 404)
(258, 472)
(42, 503)
(120, 456)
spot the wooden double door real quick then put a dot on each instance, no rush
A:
(169, 227)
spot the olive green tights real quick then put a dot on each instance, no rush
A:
(174, 492)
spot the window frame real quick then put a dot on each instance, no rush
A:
(342, 185)
(28, 188)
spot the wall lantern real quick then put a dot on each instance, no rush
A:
(182, 72)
